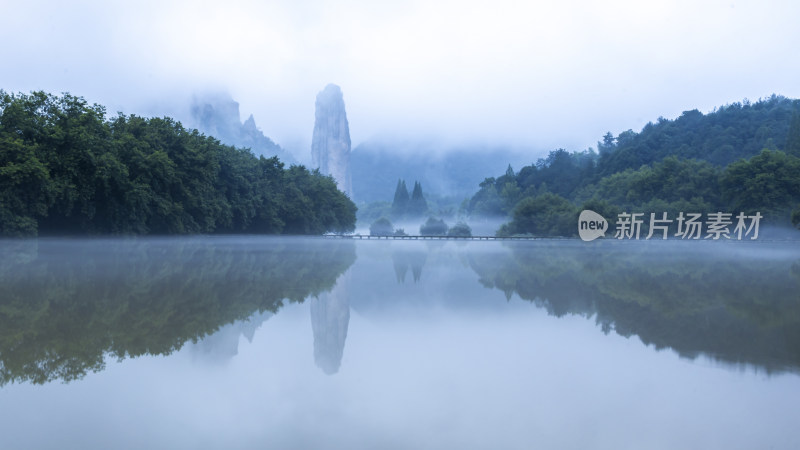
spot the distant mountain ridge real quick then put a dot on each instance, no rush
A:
(217, 115)
(442, 170)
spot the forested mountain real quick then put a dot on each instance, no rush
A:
(743, 157)
(729, 133)
(67, 169)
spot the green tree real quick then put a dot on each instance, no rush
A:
(607, 145)
(417, 206)
(768, 182)
(433, 227)
(381, 227)
(546, 215)
(487, 202)
(26, 191)
(401, 199)
(792, 146)
(460, 229)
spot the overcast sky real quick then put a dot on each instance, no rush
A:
(537, 75)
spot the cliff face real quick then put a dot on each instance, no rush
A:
(330, 146)
(218, 115)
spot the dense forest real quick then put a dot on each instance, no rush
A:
(743, 157)
(67, 169)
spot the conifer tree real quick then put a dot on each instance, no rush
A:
(417, 206)
(401, 199)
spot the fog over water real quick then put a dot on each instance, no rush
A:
(244, 342)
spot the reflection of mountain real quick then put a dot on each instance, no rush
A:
(734, 303)
(224, 343)
(330, 315)
(67, 304)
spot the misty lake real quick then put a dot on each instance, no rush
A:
(269, 342)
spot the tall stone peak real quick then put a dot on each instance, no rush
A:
(330, 145)
(217, 115)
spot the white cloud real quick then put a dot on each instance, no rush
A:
(540, 74)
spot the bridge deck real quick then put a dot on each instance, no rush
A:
(423, 238)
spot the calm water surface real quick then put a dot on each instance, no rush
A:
(263, 342)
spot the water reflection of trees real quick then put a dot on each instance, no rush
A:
(408, 259)
(67, 305)
(732, 302)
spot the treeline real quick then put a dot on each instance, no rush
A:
(740, 158)
(66, 169)
(730, 133)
